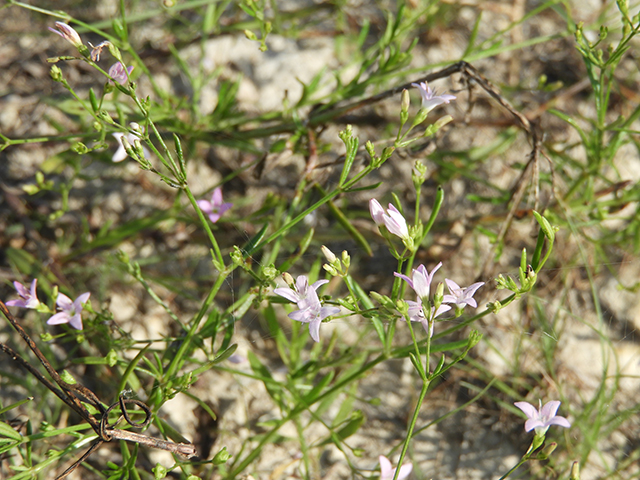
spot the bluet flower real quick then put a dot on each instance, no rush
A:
(542, 418)
(420, 280)
(461, 296)
(392, 219)
(71, 311)
(216, 207)
(310, 310)
(118, 73)
(28, 299)
(429, 98)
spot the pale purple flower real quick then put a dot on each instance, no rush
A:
(71, 311)
(310, 310)
(416, 314)
(429, 98)
(121, 153)
(118, 73)
(461, 297)
(542, 418)
(387, 472)
(421, 279)
(301, 291)
(68, 33)
(216, 207)
(377, 212)
(28, 299)
(392, 219)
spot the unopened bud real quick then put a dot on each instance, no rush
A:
(68, 33)
(346, 259)
(288, 279)
(405, 101)
(328, 254)
(575, 471)
(331, 270)
(56, 73)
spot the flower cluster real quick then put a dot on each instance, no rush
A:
(118, 72)
(70, 311)
(305, 296)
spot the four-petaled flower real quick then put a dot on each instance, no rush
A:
(461, 297)
(387, 472)
(68, 33)
(429, 98)
(28, 299)
(542, 418)
(310, 310)
(416, 314)
(71, 311)
(392, 219)
(118, 73)
(216, 207)
(421, 279)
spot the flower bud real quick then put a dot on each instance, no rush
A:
(328, 254)
(56, 73)
(68, 33)
(288, 279)
(405, 101)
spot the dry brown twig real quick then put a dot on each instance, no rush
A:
(71, 394)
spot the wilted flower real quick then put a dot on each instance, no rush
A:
(118, 73)
(310, 310)
(96, 50)
(216, 207)
(392, 219)
(416, 314)
(461, 296)
(387, 472)
(71, 311)
(121, 153)
(542, 418)
(429, 98)
(28, 299)
(68, 33)
(421, 279)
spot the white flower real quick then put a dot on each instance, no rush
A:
(542, 418)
